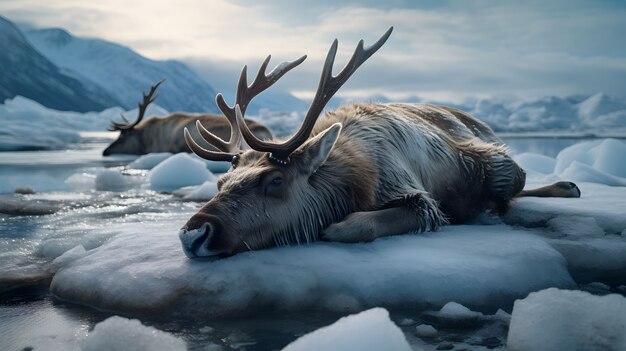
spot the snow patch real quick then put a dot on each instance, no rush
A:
(117, 333)
(368, 330)
(555, 320)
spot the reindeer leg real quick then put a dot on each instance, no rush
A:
(409, 213)
(558, 189)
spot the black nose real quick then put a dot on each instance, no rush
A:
(200, 239)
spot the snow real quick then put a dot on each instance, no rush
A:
(368, 330)
(23, 120)
(118, 333)
(557, 320)
(178, 171)
(456, 310)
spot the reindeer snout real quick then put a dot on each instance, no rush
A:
(195, 242)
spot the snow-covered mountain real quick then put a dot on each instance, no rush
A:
(596, 113)
(123, 73)
(25, 72)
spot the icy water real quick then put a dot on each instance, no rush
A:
(31, 318)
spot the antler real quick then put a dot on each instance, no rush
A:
(327, 87)
(245, 94)
(143, 105)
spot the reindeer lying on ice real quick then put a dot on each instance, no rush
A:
(361, 172)
(166, 134)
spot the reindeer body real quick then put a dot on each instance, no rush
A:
(402, 150)
(361, 172)
(166, 134)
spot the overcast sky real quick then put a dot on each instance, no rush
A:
(444, 50)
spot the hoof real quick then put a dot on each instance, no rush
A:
(568, 189)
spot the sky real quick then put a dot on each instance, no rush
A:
(445, 50)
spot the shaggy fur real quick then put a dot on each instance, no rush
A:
(367, 170)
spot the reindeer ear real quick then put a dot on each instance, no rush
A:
(316, 150)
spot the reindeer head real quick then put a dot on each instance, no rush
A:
(127, 142)
(277, 193)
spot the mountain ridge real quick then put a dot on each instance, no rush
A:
(33, 76)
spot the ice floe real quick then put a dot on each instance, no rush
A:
(370, 330)
(178, 171)
(474, 265)
(555, 320)
(118, 333)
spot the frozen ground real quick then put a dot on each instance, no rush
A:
(111, 243)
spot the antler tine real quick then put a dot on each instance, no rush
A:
(204, 153)
(245, 94)
(142, 107)
(327, 87)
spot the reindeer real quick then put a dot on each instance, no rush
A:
(166, 134)
(361, 172)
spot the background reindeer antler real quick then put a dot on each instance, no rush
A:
(142, 105)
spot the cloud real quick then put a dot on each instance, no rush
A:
(439, 48)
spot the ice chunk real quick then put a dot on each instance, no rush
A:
(368, 330)
(586, 231)
(601, 161)
(204, 192)
(456, 310)
(603, 203)
(426, 331)
(178, 171)
(555, 320)
(117, 333)
(17, 205)
(576, 226)
(149, 161)
(113, 180)
(581, 172)
(535, 162)
(455, 315)
(217, 166)
(69, 256)
(144, 269)
(81, 182)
